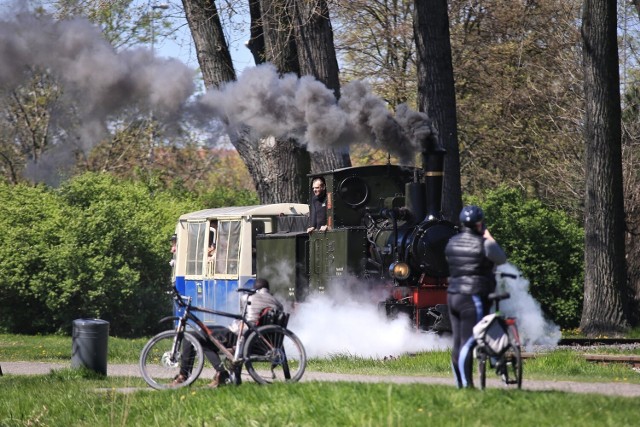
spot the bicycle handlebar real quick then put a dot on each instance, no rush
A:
(497, 296)
(179, 298)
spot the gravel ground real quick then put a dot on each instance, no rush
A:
(611, 389)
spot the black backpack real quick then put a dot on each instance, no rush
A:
(270, 316)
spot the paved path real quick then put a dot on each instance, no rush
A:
(611, 389)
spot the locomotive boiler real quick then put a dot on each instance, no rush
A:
(385, 242)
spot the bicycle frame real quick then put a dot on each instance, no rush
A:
(510, 364)
(208, 334)
(513, 329)
(269, 352)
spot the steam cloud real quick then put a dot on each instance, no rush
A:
(338, 323)
(350, 327)
(534, 329)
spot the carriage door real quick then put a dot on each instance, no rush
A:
(221, 295)
(196, 245)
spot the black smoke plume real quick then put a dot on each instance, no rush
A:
(103, 83)
(305, 109)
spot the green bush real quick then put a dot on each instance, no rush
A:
(546, 245)
(30, 219)
(96, 247)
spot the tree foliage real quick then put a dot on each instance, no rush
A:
(374, 42)
(519, 97)
(96, 248)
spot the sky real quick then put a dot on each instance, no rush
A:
(181, 44)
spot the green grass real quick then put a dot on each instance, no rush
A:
(559, 364)
(81, 398)
(57, 348)
(76, 398)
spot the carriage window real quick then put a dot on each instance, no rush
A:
(228, 247)
(196, 235)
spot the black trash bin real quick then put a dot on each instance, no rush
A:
(89, 344)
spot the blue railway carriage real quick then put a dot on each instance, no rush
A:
(215, 251)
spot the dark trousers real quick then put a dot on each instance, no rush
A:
(210, 351)
(465, 311)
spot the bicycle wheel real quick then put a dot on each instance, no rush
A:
(513, 356)
(513, 366)
(160, 364)
(274, 354)
(482, 367)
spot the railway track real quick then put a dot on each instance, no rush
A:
(594, 343)
(597, 341)
(599, 358)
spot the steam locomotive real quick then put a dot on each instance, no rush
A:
(385, 241)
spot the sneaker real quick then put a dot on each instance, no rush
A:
(178, 380)
(219, 379)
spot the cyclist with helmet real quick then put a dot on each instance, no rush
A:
(472, 255)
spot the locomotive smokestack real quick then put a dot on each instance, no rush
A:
(415, 193)
(433, 166)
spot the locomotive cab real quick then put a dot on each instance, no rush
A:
(385, 242)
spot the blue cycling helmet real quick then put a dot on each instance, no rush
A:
(471, 215)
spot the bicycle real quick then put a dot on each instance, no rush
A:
(508, 364)
(271, 353)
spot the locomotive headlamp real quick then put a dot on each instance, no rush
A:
(399, 270)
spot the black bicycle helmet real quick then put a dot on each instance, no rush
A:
(471, 215)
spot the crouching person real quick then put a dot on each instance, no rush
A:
(261, 300)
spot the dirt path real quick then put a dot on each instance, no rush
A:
(611, 389)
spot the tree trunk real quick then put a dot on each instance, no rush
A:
(605, 308)
(436, 92)
(256, 42)
(632, 215)
(279, 40)
(317, 57)
(273, 160)
(632, 227)
(211, 46)
(278, 168)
